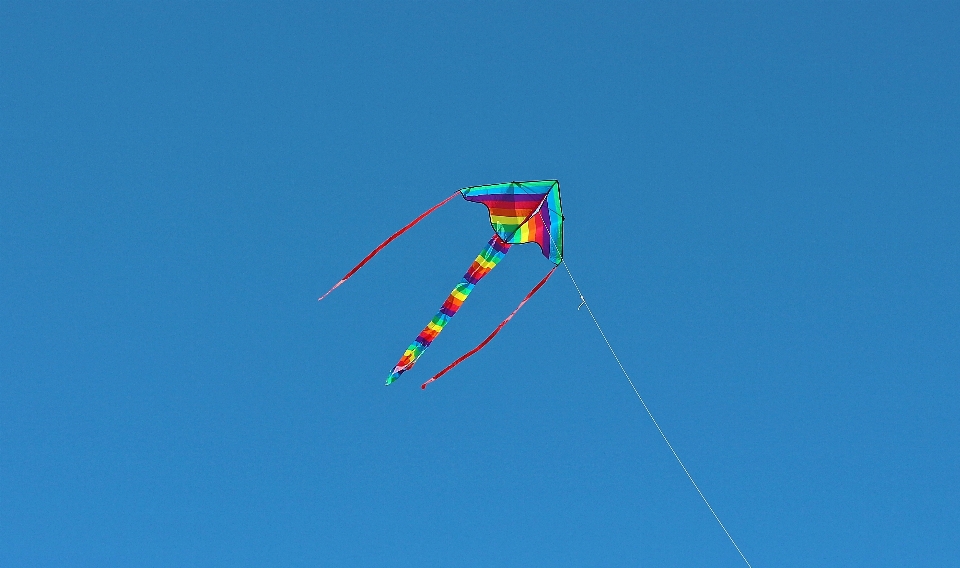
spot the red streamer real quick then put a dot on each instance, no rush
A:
(483, 343)
(387, 242)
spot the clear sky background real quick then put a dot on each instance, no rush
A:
(763, 209)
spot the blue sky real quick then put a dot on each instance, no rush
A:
(762, 208)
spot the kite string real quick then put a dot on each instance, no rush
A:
(586, 304)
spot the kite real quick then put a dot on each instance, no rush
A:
(520, 212)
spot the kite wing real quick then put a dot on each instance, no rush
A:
(524, 212)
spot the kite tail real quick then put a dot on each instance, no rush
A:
(488, 258)
(483, 343)
(387, 242)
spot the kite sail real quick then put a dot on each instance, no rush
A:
(520, 212)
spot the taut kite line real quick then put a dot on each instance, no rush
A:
(520, 212)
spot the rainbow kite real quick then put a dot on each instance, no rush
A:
(520, 212)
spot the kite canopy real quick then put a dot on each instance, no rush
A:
(524, 212)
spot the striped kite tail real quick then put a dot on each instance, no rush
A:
(483, 343)
(488, 258)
